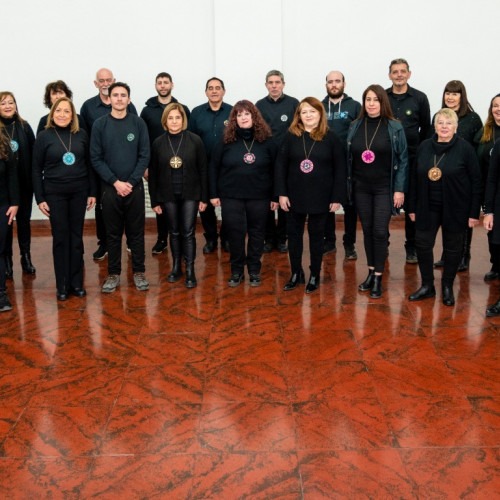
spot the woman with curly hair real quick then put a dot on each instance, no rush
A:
(241, 183)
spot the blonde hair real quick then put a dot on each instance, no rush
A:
(75, 126)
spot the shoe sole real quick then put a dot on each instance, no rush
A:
(108, 290)
(158, 252)
(98, 259)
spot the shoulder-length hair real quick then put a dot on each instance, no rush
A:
(174, 106)
(261, 130)
(297, 127)
(457, 87)
(5, 94)
(385, 105)
(489, 124)
(4, 143)
(75, 126)
(56, 86)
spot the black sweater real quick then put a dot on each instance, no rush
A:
(314, 191)
(50, 174)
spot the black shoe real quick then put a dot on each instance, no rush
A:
(78, 292)
(235, 280)
(26, 264)
(255, 279)
(448, 297)
(411, 256)
(350, 252)
(190, 276)
(295, 279)
(491, 311)
(176, 272)
(5, 304)
(225, 246)
(368, 283)
(282, 247)
(9, 272)
(210, 246)
(100, 253)
(62, 295)
(159, 247)
(464, 264)
(376, 290)
(312, 284)
(424, 292)
(492, 275)
(439, 263)
(329, 247)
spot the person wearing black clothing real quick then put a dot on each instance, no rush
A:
(341, 111)
(445, 192)
(411, 108)
(241, 182)
(310, 180)
(21, 139)
(178, 187)
(64, 187)
(469, 124)
(152, 115)
(377, 176)
(208, 121)
(486, 139)
(119, 152)
(9, 202)
(91, 110)
(277, 110)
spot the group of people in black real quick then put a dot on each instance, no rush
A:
(271, 167)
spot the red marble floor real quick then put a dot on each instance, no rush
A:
(249, 392)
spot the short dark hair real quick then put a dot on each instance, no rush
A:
(457, 87)
(399, 60)
(163, 74)
(119, 84)
(54, 87)
(215, 78)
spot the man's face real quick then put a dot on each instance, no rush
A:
(104, 79)
(119, 99)
(399, 75)
(335, 84)
(215, 92)
(275, 86)
(164, 86)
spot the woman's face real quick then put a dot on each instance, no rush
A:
(56, 94)
(495, 110)
(445, 128)
(244, 119)
(309, 116)
(62, 114)
(8, 107)
(372, 104)
(174, 121)
(452, 100)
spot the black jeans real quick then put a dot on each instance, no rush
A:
(350, 221)
(181, 223)
(494, 253)
(452, 250)
(276, 229)
(124, 214)
(23, 221)
(100, 228)
(374, 210)
(67, 215)
(242, 218)
(316, 231)
(4, 228)
(162, 227)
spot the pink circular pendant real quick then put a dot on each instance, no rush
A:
(249, 158)
(306, 166)
(368, 156)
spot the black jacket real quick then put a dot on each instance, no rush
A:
(492, 192)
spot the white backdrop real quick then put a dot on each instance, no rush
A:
(239, 41)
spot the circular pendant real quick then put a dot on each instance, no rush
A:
(306, 166)
(69, 158)
(176, 162)
(368, 156)
(14, 145)
(435, 173)
(249, 158)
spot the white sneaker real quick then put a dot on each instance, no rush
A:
(141, 283)
(111, 283)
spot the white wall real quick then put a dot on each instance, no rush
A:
(239, 41)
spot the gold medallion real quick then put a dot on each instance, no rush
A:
(176, 162)
(435, 173)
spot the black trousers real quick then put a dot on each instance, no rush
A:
(209, 223)
(494, 253)
(162, 227)
(242, 218)
(276, 229)
(100, 227)
(181, 223)
(4, 229)
(350, 221)
(316, 231)
(374, 210)
(124, 214)
(23, 221)
(452, 250)
(67, 215)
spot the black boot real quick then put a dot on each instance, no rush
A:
(190, 276)
(448, 297)
(9, 272)
(491, 311)
(175, 247)
(295, 279)
(464, 261)
(368, 283)
(26, 264)
(376, 290)
(312, 284)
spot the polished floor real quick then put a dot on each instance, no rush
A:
(249, 392)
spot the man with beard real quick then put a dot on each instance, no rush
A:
(341, 110)
(91, 110)
(152, 114)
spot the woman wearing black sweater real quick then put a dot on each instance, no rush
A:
(9, 201)
(241, 183)
(177, 179)
(64, 187)
(445, 192)
(311, 182)
(21, 141)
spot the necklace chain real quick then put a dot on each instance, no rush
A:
(439, 161)
(306, 154)
(68, 149)
(172, 148)
(368, 146)
(249, 149)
